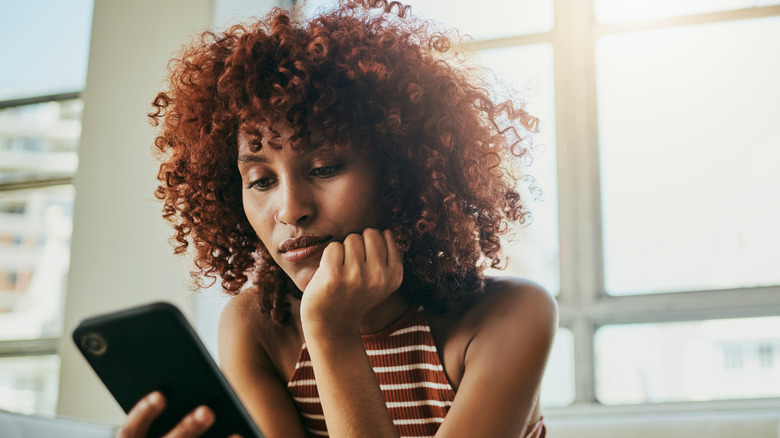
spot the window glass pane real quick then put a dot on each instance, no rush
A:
(689, 152)
(558, 381)
(39, 141)
(35, 229)
(688, 361)
(49, 50)
(617, 11)
(490, 18)
(533, 252)
(29, 384)
(486, 20)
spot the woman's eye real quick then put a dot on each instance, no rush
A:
(325, 171)
(262, 184)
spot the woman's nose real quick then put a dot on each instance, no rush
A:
(295, 203)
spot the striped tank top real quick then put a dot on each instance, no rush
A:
(416, 390)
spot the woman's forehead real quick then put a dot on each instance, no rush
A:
(307, 136)
(252, 141)
(278, 134)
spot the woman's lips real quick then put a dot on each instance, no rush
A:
(303, 248)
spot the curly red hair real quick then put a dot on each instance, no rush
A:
(368, 74)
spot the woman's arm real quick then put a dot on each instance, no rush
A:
(353, 279)
(349, 391)
(252, 375)
(511, 332)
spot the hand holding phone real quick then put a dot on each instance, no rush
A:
(143, 414)
(138, 351)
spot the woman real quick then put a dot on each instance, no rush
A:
(347, 180)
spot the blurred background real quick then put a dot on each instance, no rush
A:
(657, 229)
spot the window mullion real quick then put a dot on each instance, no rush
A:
(583, 331)
(577, 143)
(686, 306)
(688, 20)
(12, 103)
(28, 347)
(578, 179)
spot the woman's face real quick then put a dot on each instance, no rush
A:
(298, 201)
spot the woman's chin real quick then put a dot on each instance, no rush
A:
(302, 278)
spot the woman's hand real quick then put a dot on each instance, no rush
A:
(140, 418)
(353, 278)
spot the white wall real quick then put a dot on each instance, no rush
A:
(229, 12)
(120, 252)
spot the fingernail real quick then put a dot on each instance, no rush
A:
(154, 398)
(201, 414)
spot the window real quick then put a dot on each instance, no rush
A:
(732, 357)
(766, 355)
(40, 125)
(683, 229)
(686, 361)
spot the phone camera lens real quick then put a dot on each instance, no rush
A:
(94, 343)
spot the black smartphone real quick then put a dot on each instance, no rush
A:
(153, 348)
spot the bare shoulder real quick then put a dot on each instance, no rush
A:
(240, 318)
(512, 317)
(510, 303)
(516, 297)
(249, 338)
(496, 346)
(255, 356)
(240, 331)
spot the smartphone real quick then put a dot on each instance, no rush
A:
(153, 348)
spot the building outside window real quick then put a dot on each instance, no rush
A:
(40, 124)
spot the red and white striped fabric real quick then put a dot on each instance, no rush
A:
(411, 377)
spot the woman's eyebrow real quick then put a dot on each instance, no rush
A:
(313, 146)
(254, 158)
(251, 158)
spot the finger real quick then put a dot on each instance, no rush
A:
(194, 424)
(333, 255)
(140, 418)
(395, 259)
(376, 247)
(354, 250)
